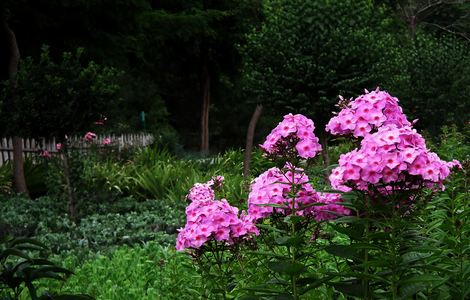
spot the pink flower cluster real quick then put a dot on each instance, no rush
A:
(274, 187)
(213, 220)
(331, 209)
(89, 136)
(107, 141)
(45, 154)
(366, 114)
(201, 192)
(294, 134)
(205, 191)
(391, 155)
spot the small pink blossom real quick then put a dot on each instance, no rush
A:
(89, 136)
(390, 155)
(213, 220)
(45, 154)
(107, 141)
(367, 113)
(293, 134)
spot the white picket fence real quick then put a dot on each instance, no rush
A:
(33, 147)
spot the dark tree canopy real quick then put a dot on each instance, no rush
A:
(292, 56)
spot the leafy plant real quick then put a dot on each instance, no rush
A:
(149, 271)
(448, 230)
(6, 182)
(18, 270)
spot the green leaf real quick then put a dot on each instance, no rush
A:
(293, 219)
(72, 297)
(350, 231)
(351, 219)
(353, 288)
(273, 205)
(411, 289)
(270, 228)
(289, 240)
(265, 253)
(344, 251)
(249, 297)
(20, 241)
(287, 267)
(414, 256)
(283, 297)
(12, 252)
(261, 289)
(313, 282)
(310, 205)
(422, 278)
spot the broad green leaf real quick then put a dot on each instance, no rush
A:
(273, 205)
(411, 289)
(344, 251)
(287, 267)
(12, 252)
(269, 227)
(265, 253)
(20, 241)
(289, 240)
(349, 288)
(414, 256)
(423, 278)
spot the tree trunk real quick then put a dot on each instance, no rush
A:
(249, 140)
(18, 162)
(206, 97)
(413, 25)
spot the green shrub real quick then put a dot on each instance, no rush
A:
(454, 144)
(124, 222)
(150, 271)
(6, 180)
(448, 229)
(20, 272)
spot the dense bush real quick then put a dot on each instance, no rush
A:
(125, 222)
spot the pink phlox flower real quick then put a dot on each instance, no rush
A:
(366, 114)
(390, 175)
(107, 141)
(370, 175)
(208, 220)
(201, 192)
(390, 155)
(352, 172)
(454, 164)
(45, 154)
(294, 132)
(273, 187)
(89, 136)
(362, 129)
(331, 209)
(391, 159)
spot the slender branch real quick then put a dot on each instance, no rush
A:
(445, 28)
